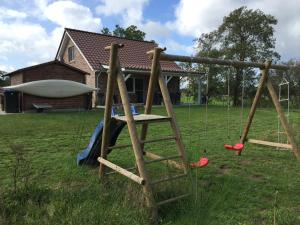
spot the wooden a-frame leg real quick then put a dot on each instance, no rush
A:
(171, 114)
(151, 88)
(260, 88)
(283, 120)
(111, 83)
(136, 145)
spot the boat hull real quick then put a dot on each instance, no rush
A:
(52, 88)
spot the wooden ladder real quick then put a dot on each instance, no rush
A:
(115, 76)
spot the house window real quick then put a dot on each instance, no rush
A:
(71, 53)
(130, 84)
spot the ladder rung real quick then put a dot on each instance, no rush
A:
(172, 199)
(168, 179)
(143, 142)
(169, 162)
(158, 139)
(163, 159)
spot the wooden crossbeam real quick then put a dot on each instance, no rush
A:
(222, 62)
(122, 171)
(163, 159)
(269, 143)
(169, 162)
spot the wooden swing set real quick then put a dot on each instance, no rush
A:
(138, 142)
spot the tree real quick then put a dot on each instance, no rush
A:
(131, 32)
(3, 80)
(106, 31)
(245, 34)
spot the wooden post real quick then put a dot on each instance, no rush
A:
(283, 120)
(260, 88)
(136, 145)
(151, 88)
(171, 114)
(111, 83)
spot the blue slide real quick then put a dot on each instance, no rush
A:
(92, 152)
(89, 155)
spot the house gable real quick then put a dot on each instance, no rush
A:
(79, 61)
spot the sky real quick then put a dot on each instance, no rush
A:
(31, 30)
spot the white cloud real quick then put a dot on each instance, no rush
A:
(174, 47)
(6, 13)
(24, 43)
(131, 11)
(154, 29)
(72, 15)
(21, 42)
(7, 68)
(194, 17)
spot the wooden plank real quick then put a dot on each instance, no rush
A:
(168, 179)
(168, 162)
(122, 171)
(268, 143)
(111, 83)
(283, 120)
(172, 199)
(163, 159)
(145, 118)
(222, 62)
(113, 172)
(259, 91)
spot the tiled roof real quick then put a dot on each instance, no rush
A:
(132, 55)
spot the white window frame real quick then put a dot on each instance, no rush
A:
(73, 55)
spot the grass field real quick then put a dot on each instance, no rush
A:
(41, 184)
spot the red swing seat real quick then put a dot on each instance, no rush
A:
(237, 147)
(201, 163)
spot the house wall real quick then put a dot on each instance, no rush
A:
(76, 102)
(173, 86)
(51, 71)
(16, 79)
(80, 63)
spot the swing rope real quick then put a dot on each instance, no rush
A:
(228, 106)
(242, 104)
(203, 161)
(239, 146)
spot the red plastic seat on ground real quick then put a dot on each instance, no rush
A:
(237, 147)
(201, 163)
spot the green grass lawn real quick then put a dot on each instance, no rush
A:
(254, 188)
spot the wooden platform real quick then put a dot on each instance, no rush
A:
(145, 118)
(270, 144)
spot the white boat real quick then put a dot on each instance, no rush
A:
(52, 88)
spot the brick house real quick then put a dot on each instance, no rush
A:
(85, 50)
(51, 70)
